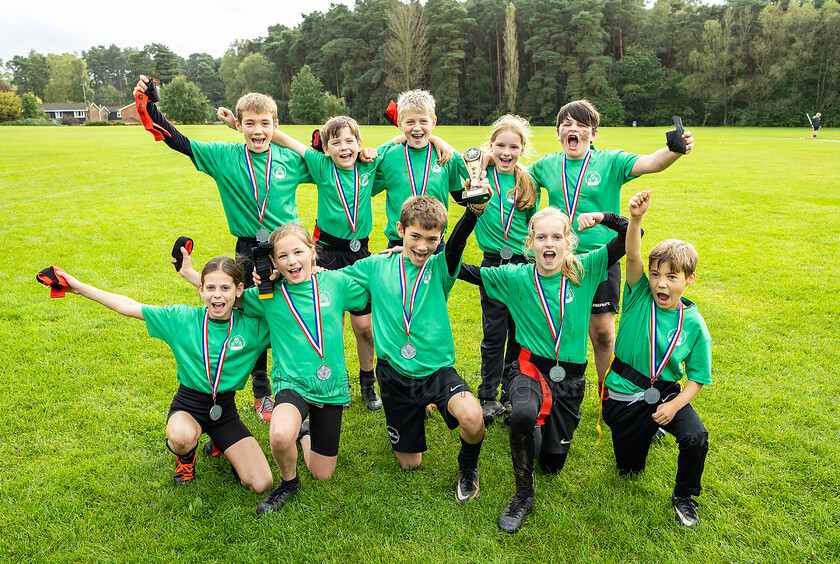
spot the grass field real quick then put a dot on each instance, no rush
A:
(85, 476)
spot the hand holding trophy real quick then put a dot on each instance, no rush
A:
(476, 193)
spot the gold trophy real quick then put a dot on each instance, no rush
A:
(475, 194)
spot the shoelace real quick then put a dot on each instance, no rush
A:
(266, 405)
(185, 469)
(517, 506)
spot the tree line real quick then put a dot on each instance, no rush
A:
(743, 63)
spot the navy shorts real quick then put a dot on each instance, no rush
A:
(405, 399)
(324, 422)
(227, 430)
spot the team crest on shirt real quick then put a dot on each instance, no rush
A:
(324, 298)
(365, 179)
(681, 340)
(510, 198)
(394, 435)
(592, 178)
(237, 343)
(436, 167)
(279, 171)
(570, 295)
(427, 277)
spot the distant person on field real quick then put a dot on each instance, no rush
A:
(658, 332)
(816, 123)
(581, 179)
(257, 184)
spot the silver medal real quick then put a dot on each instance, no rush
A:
(262, 235)
(215, 412)
(652, 395)
(408, 351)
(506, 253)
(557, 373)
(323, 372)
(355, 245)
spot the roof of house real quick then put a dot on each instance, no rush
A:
(62, 106)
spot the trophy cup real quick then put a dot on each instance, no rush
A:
(475, 194)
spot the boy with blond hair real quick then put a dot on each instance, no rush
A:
(257, 185)
(582, 179)
(407, 168)
(659, 330)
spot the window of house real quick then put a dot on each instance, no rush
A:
(78, 113)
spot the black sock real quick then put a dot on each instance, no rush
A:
(294, 481)
(468, 457)
(365, 378)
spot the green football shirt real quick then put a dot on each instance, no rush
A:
(295, 361)
(600, 191)
(227, 164)
(430, 330)
(490, 229)
(332, 217)
(514, 285)
(632, 344)
(392, 176)
(182, 328)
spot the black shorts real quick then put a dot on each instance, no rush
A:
(564, 413)
(405, 399)
(324, 422)
(227, 430)
(607, 295)
(333, 259)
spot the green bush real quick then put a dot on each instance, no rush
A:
(30, 121)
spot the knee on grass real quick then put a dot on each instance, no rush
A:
(409, 460)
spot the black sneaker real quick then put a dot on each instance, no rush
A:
(686, 510)
(304, 430)
(371, 399)
(278, 498)
(490, 409)
(185, 471)
(658, 436)
(467, 488)
(511, 518)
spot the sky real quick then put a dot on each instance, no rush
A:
(185, 26)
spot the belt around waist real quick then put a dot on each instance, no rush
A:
(336, 242)
(544, 364)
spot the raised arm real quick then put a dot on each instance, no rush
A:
(661, 159)
(120, 304)
(615, 248)
(639, 204)
(176, 140)
(283, 140)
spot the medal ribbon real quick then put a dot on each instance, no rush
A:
(555, 332)
(253, 178)
(317, 344)
(656, 368)
(571, 209)
(427, 167)
(342, 197)
(407, 314)
(505, 224)
(205, 348)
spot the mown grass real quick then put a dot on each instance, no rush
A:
(84, 475)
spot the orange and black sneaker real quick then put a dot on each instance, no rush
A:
(210, 449)
(185, 471)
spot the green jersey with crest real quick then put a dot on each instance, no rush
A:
(600, 191)
(182, 328)
(430, 330)
(490, 229)
(632, 344)
(295, 361)
(514, 285)
(332, 217)
(393, 177)
(227, 164)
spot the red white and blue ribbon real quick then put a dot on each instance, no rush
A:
(315, 339)
(403, 288)
(657, 367)
(556, 331)
(253, 178)
(505, 223)
(350, 218)
(205, 348)
(571, 207)
(427, 167)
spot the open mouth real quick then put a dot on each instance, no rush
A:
(505, 162)
(417, 138)
(549, 257)
(258, 142)
(572, 141)
(218, 307)
(419, 257)
(294, 272)
(662, 298)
